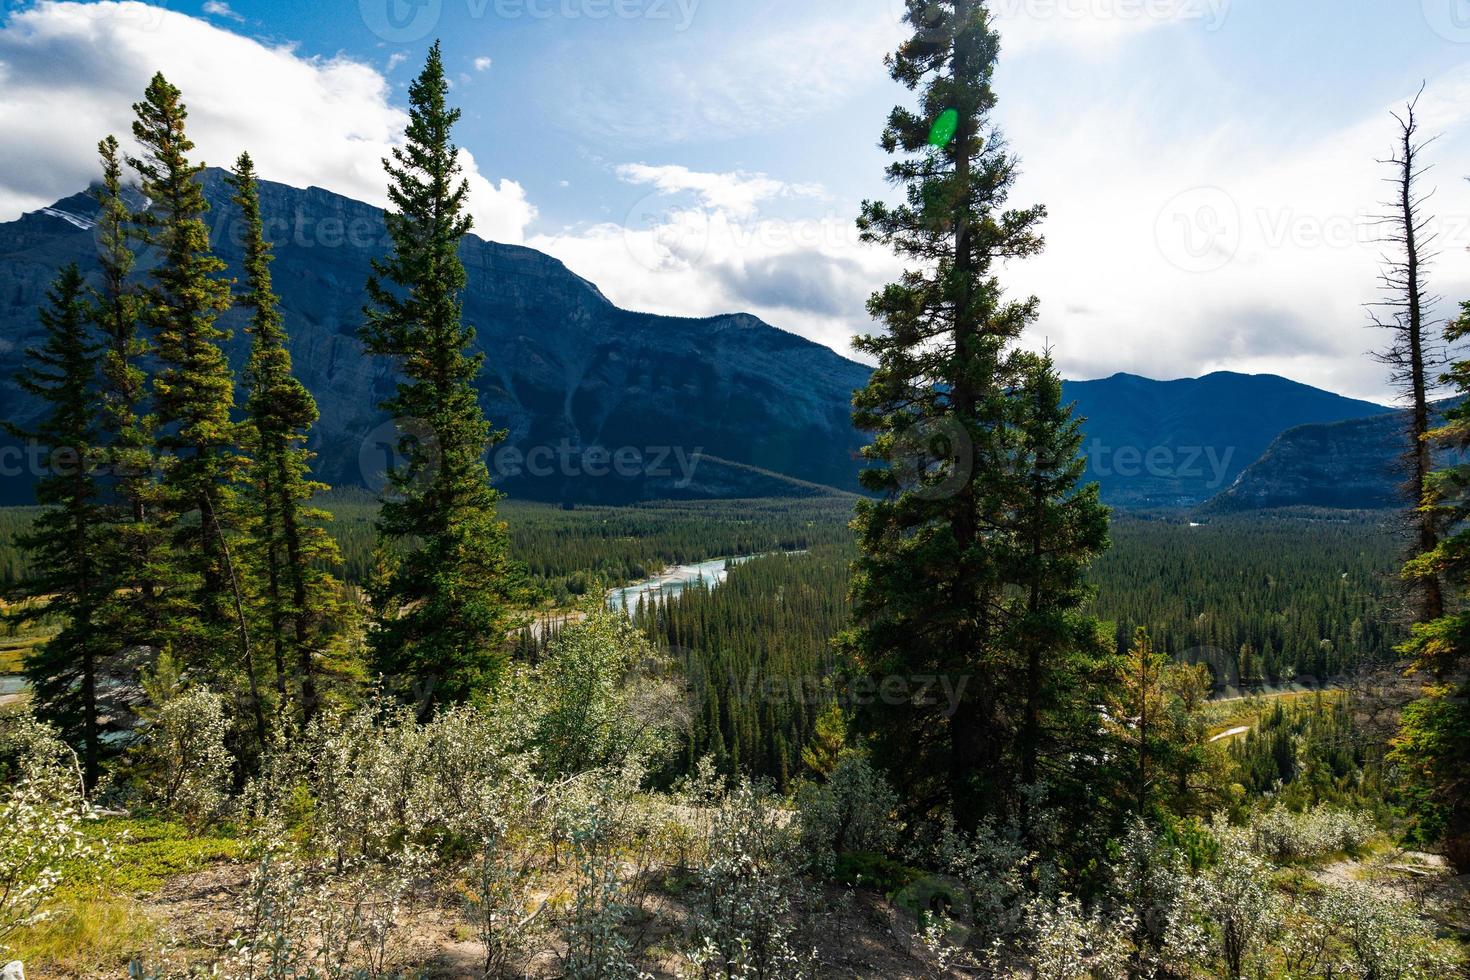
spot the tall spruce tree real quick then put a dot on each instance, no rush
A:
(1060, 526)
(941, 586)
(444, 604)
(64, 541)
(194, 392)
(1433, 743)
(291, 549)
(134, 551)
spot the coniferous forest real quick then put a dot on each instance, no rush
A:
(969, 722)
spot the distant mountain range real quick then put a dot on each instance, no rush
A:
(1356, 464)
(1179, 443)
(608, 405)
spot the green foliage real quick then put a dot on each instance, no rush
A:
(852, 811)
(602, 701)
(194, 395)
(875, 872)
(135, 547)
(757, 658)
(973, 554)
(1156, 719)
(184, 763)
(1310, 592)
(1435, 739)
(1308, 750)
(66, 538)
(290, 550)
(443, 602)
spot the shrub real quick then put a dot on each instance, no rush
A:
(1356, 931)
(595, 706)
(1282, 835)
(185, 748)
(851, 811)
(41, 816)
(1233, 910)
(1063, 943)
(743, 908)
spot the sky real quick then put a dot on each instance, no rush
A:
(1209, 166)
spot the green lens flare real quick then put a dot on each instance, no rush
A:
(944, 128)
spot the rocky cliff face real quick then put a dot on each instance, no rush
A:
(1179, 443)
(599, 403)
(1357, 464)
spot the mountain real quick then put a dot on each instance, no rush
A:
(608, 405)
(1355, 464)
(599, 403)
(1178, 443)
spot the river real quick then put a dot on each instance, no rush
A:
(669, 583)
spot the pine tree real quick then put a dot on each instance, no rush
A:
(194, 392)
(1059, 528)
(63, 543)
(451, 583)
(1433, 742)
(134, 549)
(291, 548)
(934, 591)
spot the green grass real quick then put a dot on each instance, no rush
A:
(96, 924)
(145, 853)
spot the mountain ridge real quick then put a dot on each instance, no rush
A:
(571, 376)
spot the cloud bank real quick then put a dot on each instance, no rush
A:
(306, 121)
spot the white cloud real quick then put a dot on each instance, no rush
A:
(217, 8)
(1225, 247)
(737, 192)
(1166, 256)
(70, 73)
(397, 58)
(483, 64)
(723, 253)
(1096, 27)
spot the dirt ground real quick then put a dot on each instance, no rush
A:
(856, 935)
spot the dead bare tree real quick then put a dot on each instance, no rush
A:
(1413, 355)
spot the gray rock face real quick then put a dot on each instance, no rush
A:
(14, 970)
(1357, 464)
(567, 374)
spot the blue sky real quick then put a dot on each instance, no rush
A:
(1208, 164)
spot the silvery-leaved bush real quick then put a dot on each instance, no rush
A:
(1060, 942)
(745, 922)
(185, 746)
(1283, 835)
(42, 812)
(852, 811)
